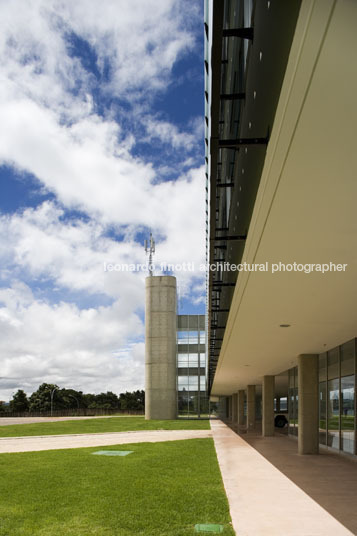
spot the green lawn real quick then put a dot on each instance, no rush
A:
(92, 426)
(160, 489)
(347, 423)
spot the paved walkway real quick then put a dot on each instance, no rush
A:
(72, 441)
(264, 501)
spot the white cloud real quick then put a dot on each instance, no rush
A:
(168, 133)
(67, 345)
(53, 129)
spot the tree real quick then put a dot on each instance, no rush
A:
(40, 400)
(134, 400)
(107, 400)
(19, 402)
(71, 399)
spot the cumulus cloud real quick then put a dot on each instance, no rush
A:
(64, 344)
(78, 80)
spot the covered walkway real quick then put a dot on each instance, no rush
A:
(273, 491)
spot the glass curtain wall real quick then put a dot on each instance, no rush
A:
(191, 366)
(293, 401)
(337, 387)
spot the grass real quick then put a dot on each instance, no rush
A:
(161, 489)
(347, 423)
(92, 426)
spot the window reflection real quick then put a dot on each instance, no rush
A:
(322, 413)
(333, 410)
(348, 413)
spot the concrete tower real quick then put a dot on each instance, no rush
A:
(160, 348)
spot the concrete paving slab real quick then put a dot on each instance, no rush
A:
(263, 501)
(72, 441)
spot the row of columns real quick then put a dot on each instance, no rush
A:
(308, 409)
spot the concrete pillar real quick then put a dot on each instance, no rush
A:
(308, 408)
(268, 406)
(240, 407)
(160, 348)
(230, 408)
(234, 407)
(250, 407)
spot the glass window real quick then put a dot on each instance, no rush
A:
(293, 401)
(333, 370)
(348, 358)
(182, 360)
(322, 412)
(182, 337)
(333, 414)
(182, 382)
(283, 403)
(322, 367)
(193, 383)
(348, 413)
(193, 360)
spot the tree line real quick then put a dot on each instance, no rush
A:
(65, 399)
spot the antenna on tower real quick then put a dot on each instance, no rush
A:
(150, 249)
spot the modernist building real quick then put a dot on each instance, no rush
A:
(191, 366)
(281, 168)
(175, 355)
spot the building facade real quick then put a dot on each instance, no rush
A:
(191, 366)
(175, 355)
(281, 186)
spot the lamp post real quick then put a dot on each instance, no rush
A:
(52, 393)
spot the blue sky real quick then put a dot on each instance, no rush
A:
(101, 141)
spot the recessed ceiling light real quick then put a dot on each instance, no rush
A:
(285, 325)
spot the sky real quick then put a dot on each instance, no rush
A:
(101, 142)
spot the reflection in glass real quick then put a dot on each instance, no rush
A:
(333, 363)
(322, 413)
(333, 412)
(348, 358)
(191, 366)
(347, 413)
(283, 403)
(293, 401)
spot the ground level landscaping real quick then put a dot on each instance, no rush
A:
(93, 426)
(160, 489)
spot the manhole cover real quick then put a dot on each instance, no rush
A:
(113, 452)
(209, 528)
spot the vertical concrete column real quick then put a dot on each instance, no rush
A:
(241, 407)
(230, 408)
(308, 409)
(234, 407)
(268, 406)
(160, 348)
(250, 407)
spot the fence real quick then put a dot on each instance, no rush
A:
(85, 412)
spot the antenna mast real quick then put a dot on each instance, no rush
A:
(150, 248)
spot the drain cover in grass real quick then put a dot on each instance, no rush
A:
(113, 452)
(209, 528)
